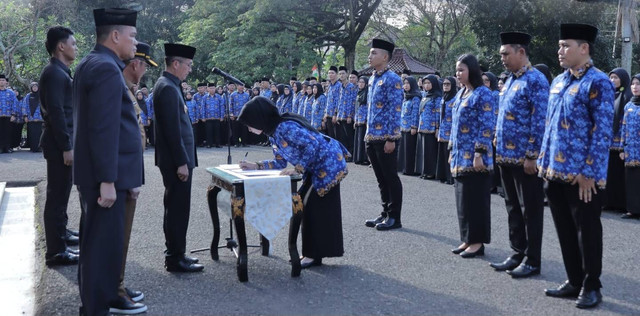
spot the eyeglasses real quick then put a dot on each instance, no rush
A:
(446, 84)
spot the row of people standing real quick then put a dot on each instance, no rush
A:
(15, 113)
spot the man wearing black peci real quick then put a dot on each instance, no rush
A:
(108, 152)
(175, 155)
(56, 143)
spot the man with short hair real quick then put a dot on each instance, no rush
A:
(57, 144)
(292, 81)
(383, 132)
(519, 131)
(573, 159)
(199, 98)
(347, 108)
(108, 164)
(134, 70)
(265, 87)
(175, 155)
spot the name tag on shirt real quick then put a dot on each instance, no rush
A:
(556, 88)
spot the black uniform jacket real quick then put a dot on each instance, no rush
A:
(174, 136)
(57, 111)
(107, 139)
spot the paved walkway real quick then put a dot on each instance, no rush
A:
(17, 245)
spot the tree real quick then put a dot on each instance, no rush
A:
(542, 20)
(18, 32)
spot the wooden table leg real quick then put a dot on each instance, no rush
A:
(212, 199)
(238, 220)
(294, 228)
(264, 245)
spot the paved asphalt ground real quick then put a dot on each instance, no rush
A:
(409, 271)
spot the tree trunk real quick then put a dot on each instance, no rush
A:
(349, 55)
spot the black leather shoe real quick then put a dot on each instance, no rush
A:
(389, 223)
(588, 299)
(466, 254)
(71, 240)
(62, 259)
(134, 295)
(73, 251)
(508, 264)
(125, 306)
(457, 251)
(182, 265)
(564, 290)
(73, 232)
(315, 262)
(524, 270)
(375, 221)
(630, 216)
(191, 259)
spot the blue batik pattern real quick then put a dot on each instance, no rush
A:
(9, 104)
(384, 107)
(308, 107)
(310, 153)
(347, 107)
(630, 140)
(472, 130)
(522, 111)
(429, 112)
(578, 130)
(238, 100)
(286, 105)
(150, 111)
(297, 98)
(409, 116)
(318, 110)
(192, 109)
(361, 114)
(444, 131)
(333, 99)
(266, 93)
(214, 107)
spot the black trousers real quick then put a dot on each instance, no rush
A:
(177, 207)
(408, 154)
(443, 168)
(340, 135)
(615, 192)
(239, 133)
(202, 132)
(524, 200)
(101, 248)
(473, 202)
(16, 134)
(632, 178)
(359, 152)
(5, 133)
(579, 232)
(349, 131)
(385, 169)
(225, 132)
(321, 222)
(213, 132)
(55, 208)
(330, 128)
(151, 133)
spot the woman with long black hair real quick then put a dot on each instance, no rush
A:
(443, 171)
(471, 160)
(614, 195)
(427, 145)
(321, 160)
(359, 151)
(409, 126)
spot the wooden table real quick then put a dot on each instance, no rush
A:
(224, 180)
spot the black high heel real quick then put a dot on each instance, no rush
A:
(466, 254)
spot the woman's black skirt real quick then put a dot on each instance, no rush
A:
(614, 196)
(632, 177)
(443, 168)
(359, 152)
(473, 201)
(321, 222)
(426, 155)
(34, 131)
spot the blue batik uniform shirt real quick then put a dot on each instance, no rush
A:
(630, 135)
(318, 110)
(310, 153)
(8, 103)
(578, 129)
(429, 114)
(192, 108)
(347, 106)
(26, 111)
(199, 98)
(333, 99)
(409, 116)
(472, 130)
(522, 111)
(444, 131)
(384, 107)
(238, 100)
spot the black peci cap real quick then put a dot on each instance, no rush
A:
(293, 78)
(520, 38)
(115, 16)
(211, 84)
(577, 31)
(179, 50)
(353, 72)
(382, 44)
(202, 84)
(341, 68)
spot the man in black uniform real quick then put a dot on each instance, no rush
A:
(175, 155)
(56, 143)
(108, 165)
